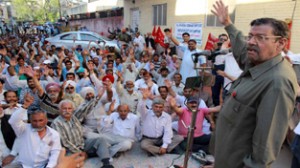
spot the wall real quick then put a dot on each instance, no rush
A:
(246, 10)
(99, 25)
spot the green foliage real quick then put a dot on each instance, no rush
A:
(36, 10)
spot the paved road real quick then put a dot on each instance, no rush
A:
(284, 159)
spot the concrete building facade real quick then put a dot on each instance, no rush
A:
(166, 13)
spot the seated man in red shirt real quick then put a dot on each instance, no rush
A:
(201, 140)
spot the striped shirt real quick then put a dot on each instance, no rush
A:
(71, 133)
(49, 107)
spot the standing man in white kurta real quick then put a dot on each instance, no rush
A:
(187, 65)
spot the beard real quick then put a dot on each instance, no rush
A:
(89, 99)
(39, 129)
(129, 89)
(70, 94)
(53, 96)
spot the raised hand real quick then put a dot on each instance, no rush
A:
(119, 74)
(72, 161)
(168, 83)
(152, 66)
(90, 66)
(168, 51)
(46, 71)
(172, 102)
(13, 62)
(21, 70)
(177, 65)
(145, 92)
(112, 105)
(29, 71)
(28, 100)
(3, 63)
(101, 91)
(3, 52)
(221, 11)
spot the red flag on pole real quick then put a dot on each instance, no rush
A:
(289, 23)
(160, 37)
(210, 42)
(154, 31)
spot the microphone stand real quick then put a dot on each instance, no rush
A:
(191, 128)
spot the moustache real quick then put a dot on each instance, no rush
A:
(38, 129)
(67, 113)
(55, 95)
(253, 48)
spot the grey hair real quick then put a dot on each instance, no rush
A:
(66, 101)
(158, 101)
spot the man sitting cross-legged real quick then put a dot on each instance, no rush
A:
(157, 131)
(71, 132)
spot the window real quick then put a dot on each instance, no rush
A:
(212, 21)
(160, 14)
(68, 37)
(88, 37)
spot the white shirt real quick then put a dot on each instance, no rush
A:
(4, 151)
(130, 99)
(129, 128)
(10, 111)
(35, 152)
(140, 41)
(153, 90)
(232, 69)
(187, 65)
(178, 90)
(155, 127)
(53, 58)
(220, 59)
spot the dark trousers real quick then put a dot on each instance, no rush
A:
(296, 152)
(216, 89)
(199, 143)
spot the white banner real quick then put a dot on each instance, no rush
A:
(194, 29)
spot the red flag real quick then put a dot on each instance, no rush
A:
(154, 31)
(289, 23)
(160, 37)
(210, 42)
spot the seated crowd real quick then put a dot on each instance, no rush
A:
(94, 102)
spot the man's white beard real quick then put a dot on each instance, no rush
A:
(129, 89)
(70, 94)
(39, 129)
(53, 96)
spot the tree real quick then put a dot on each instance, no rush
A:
(36, 10)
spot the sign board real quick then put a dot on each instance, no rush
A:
(193, 28)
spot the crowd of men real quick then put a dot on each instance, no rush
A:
(61, 106)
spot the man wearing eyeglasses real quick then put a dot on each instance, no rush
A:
(70, 93)
(253, 121)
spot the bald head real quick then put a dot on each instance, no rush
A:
(123, 111)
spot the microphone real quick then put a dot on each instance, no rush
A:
(196, 55)
(220, 52)
(204, 52)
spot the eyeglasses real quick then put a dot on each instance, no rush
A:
(222, 39)
(69, 88)
(260, 38)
